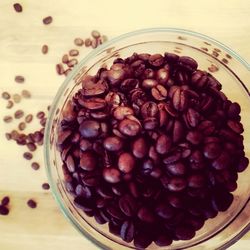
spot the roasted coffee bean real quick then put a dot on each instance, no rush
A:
(90, 129)
(127, 231)
(4, 210)
(146, 215)
(185, 232)
(128, 205)
(27, 156)
(115, 212)
(90, 179)
(222, 199)
(141, 240)
(188, 63)
(129, 127)
(88, 161)
(195, 137)
(150, 123)
(223, 161)
(196, 181)
(93, 103)
(235, 126)
(31, 203)
(177, 168)
(212, 150)
(18, 7)
(19, 79)
(171, 57)
(159, 92)
(47, 20)
(178, 131)
(19, 114)
(233, 110)
(113, 143)
(91, 89)
(243, 163)
(180, 101)
(149, 83)
(149, 109)
(164, 211)
(147, 166)
(193, 117)
(45, 186)
(85, 204)
(139, 148)
(111, 175)
(163, 144)
(129, 84)
(121, 112)
(162, 75)
(35, 165)
(5, 200)
(156, 60)
(70, 163)
(163, 240)
(31, 146)
(45, 49)
(78, 41)
(126, 162)
(177, 184)
(74, 52)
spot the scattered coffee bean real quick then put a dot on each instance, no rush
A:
(28, 118)
(17, 98)
(5, 95)
(72, 62)
(18, 7)
(74, 52)
(26, 94)
(45, 49)
(31, 203)
(27, 156)
(10, 104)
(59, 69)
(5, 201)
(7, 119)
(35, 165)
(87, 42)
(95, 34)
(47, 20)
(4, 210)
(19, 114)
(21, 126)
(40, 115)
(19, 79)
(78, 41)
(31, 146)
(45, 186)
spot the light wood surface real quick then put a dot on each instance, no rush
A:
(21, 38)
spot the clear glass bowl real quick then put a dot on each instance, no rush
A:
(233, 73)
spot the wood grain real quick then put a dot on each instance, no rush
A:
(21, 38)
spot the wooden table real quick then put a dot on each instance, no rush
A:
(21, 38)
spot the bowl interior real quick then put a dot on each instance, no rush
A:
(205, 55)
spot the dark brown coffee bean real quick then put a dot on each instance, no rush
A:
(236, 126)
(171, 57)
(146, 215)
(35, 165)
(206, 127)
(139, 148)
(19, 114)
(85, 204)
(159, 92)
(71, 63)
(10, 104)
(93, 103)
(142, 241)
(31, 203)
(5, 200)
(195, 137)
(242, 164)
(127, 231)
(46, 186)
(128, 205)
(90, 129)
(27, 156)
(83, 191)
(59, 69)
(18, 7)
(163, 240)
(177, 184)
(70, 163)
(115, 212)
(149, 109)
(95, 34)
(193, 117)
(178, 131)
(222, 199)
(74, 52)
(223, 161)
(47, 20)
(116, 76)
(233, 110)
(4, 210)
(188, 63)
(212, 150)
(177, 168)
(164, 211)
(162, 75)
(31, 146)
(121, 112)
(149, 83)
(126, 162)
(91, 179)
(113, 143)
(156, 60)
(111, 175)
(45, 49)
(129, 127)
(196, 181)
(129, 84)
(184, 232)
(150, 123)
(180, 101)
(5, 95)
(88, 161)
(19, 79)
(163, 144)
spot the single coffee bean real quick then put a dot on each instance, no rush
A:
(139, 148)
(47, 20)
(223, 161)
(178, 131)
(90, 129)
(188, 63)
(150, 123)
(19, 114)
(5, 200)
(74, 52)
(162, 75)
(195, 137)
(120, 112)
(85, 204)
(212, 150)
(78, 41)
(19, 79)
(115, 212)
(149, 83)
(129, 127)
(233, 110)
(127, 231)
(88, 161)
(126, 162)
(163, 240)
(27, 156)
(242, 164)
(177, 184)
(193, 117)
(237, 127)
(111, 175)
(45, 49)
(159, 92)
(156, 60)
(129, 84)
(113, 143)
(18, 7)
(93, 103)
(222, 199)
(141, 240)
(149, 109)
(196, 181)
(4, 210)
(35, 165)
(31, 203)
(163, 144)
(7, 119)
(164, 211)
(177, 168)
(184, 232)
(128, 205)
(45, 186)
(146, 215)
(31, 146)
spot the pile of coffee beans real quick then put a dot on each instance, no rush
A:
(153, 147)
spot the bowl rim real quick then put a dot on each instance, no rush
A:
(56, 99)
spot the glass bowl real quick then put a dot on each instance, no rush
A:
(228, 67)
